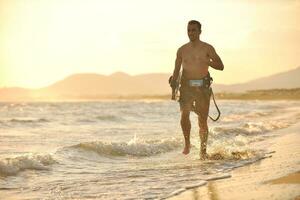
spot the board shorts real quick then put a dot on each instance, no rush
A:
(194, 97)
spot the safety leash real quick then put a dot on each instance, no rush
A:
(219, 112)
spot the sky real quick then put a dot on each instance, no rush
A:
(43, 41)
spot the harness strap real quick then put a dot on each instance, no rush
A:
(219, 112)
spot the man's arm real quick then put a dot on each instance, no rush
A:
(178, 62)
(175, 75)
(215, 61)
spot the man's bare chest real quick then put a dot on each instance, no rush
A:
(195, 56)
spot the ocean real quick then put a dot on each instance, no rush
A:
(129, 149)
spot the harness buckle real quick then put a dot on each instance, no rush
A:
(196, 83)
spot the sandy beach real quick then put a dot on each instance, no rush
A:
(276, 177)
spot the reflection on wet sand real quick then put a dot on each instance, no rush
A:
(212, 193)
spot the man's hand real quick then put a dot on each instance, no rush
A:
(173, 83)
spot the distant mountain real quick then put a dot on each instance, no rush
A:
(119, 84)
(288, 79)
(116, 84)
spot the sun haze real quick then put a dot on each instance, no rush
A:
(44, 41)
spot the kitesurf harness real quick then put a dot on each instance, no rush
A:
(206, 82)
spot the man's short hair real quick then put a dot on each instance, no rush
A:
(195, 22)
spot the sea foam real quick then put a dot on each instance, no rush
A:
(134, 147)
(12, 166)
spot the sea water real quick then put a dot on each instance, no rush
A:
(126, 149)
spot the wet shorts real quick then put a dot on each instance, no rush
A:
(199, 97)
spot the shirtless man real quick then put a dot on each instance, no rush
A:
(195, 57)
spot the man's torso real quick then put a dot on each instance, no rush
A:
(195, 60)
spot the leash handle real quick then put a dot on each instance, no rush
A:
(173, 94)
(175, 87)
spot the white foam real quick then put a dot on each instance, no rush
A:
(176, 192)
(200, 183)
(243, 116)
(217, 177)
(251, 128)
(236, 148)
(12, 166)
(134, 147)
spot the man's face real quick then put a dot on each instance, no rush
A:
(193, 32)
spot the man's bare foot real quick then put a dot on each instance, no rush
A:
(186, 150)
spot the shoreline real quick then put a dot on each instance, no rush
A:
(277, 177)
(146, 98)
(270, 94)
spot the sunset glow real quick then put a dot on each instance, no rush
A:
(44, 41)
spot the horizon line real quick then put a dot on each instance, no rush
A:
(132, 75)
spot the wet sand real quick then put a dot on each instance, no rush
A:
(277, 177)
(293, 178)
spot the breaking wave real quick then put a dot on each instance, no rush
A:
(135, 147)
(251, 115)
(12, 166)
(250, 128)
(229, 154)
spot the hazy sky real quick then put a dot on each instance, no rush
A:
(42, 41)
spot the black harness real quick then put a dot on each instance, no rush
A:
(207, 81)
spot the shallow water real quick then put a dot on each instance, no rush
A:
(126, 149)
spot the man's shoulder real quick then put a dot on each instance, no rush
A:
(183, 46)
(207, 45)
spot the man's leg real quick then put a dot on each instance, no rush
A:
(203, 133)
(186, 129)
(202, 106)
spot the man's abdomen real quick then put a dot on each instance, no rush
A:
(195, 72)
